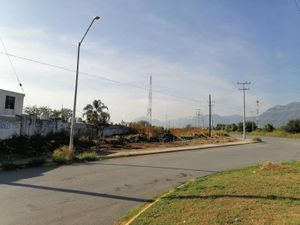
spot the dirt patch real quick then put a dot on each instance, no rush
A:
(269, 166)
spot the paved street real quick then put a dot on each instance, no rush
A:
(101, 192)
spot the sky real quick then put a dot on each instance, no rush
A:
(191, 48)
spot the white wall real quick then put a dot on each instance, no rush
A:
(9, 126)
(19, 99)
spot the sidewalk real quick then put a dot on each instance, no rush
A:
(128, 153)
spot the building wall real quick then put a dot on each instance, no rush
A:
(30, 125)
(19, 99)
(9, 126)
(115, 130)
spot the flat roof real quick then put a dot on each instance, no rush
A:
(12, 92)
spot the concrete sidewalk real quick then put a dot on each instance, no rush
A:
(129, 153)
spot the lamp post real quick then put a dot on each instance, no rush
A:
(71, 144)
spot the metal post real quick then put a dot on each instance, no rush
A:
(209, 122)
(244, 89)
(244, 115)
(71, 143)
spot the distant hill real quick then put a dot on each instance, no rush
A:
(184, 121)
(279, 115)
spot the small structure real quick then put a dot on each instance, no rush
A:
(11, 103)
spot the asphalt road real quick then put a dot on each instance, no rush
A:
(101, 192)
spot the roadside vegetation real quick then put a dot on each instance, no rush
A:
(264, 194)
(36, 150)
(25, 151)
(290, 130)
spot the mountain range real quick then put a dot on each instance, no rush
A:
(278, 116)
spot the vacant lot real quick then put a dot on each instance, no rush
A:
(266, 194)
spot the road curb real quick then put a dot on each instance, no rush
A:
(180, 149)
(155, 151)
(156, 200)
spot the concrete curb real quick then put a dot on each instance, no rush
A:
(49, 162)
(177, 149)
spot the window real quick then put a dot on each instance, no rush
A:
(10, 102)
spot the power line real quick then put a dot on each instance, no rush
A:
(96, 76)
(14, 70)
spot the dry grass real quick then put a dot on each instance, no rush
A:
(159, 145)
(241, 197)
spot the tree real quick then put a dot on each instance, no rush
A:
(55, 114)
(293, 126)
(97, 113)
(269, 127)
(37, 111)
(250, 126)
(140, 126)
(231, 127)
(220, 126)
(64, 114)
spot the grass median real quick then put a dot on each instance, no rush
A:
(265, 194)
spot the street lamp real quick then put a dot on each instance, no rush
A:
(71, 144)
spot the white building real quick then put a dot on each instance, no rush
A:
(11, 103)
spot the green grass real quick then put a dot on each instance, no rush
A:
(267, 194)
(275, 133)
(87, 156)
(62, 155)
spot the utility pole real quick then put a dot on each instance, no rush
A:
(198, 114)
(244, 89)
(257, 113)
(209, 115)
(252, 121)
(149, 110)
(72, 129)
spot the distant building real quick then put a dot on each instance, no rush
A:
(11, 103)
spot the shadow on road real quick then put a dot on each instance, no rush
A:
(101, 195)
(7, 177)
(157, 167)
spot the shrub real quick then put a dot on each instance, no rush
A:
(269, 127)
(257, 139)
(293, 126)
(87, 156)
(62, 155)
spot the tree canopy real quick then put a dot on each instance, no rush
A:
(97, 113)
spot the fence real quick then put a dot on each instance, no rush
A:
(30, 125)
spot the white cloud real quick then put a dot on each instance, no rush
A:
(54, 87)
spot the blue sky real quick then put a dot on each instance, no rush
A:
(191, 48)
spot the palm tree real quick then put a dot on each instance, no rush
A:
(97, 113)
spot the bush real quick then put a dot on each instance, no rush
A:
(87, 156)
(293, 126)
(269, 127)
(62, 155)
(257, 139)
(250, 126)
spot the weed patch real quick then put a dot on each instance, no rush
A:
(62, 155)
